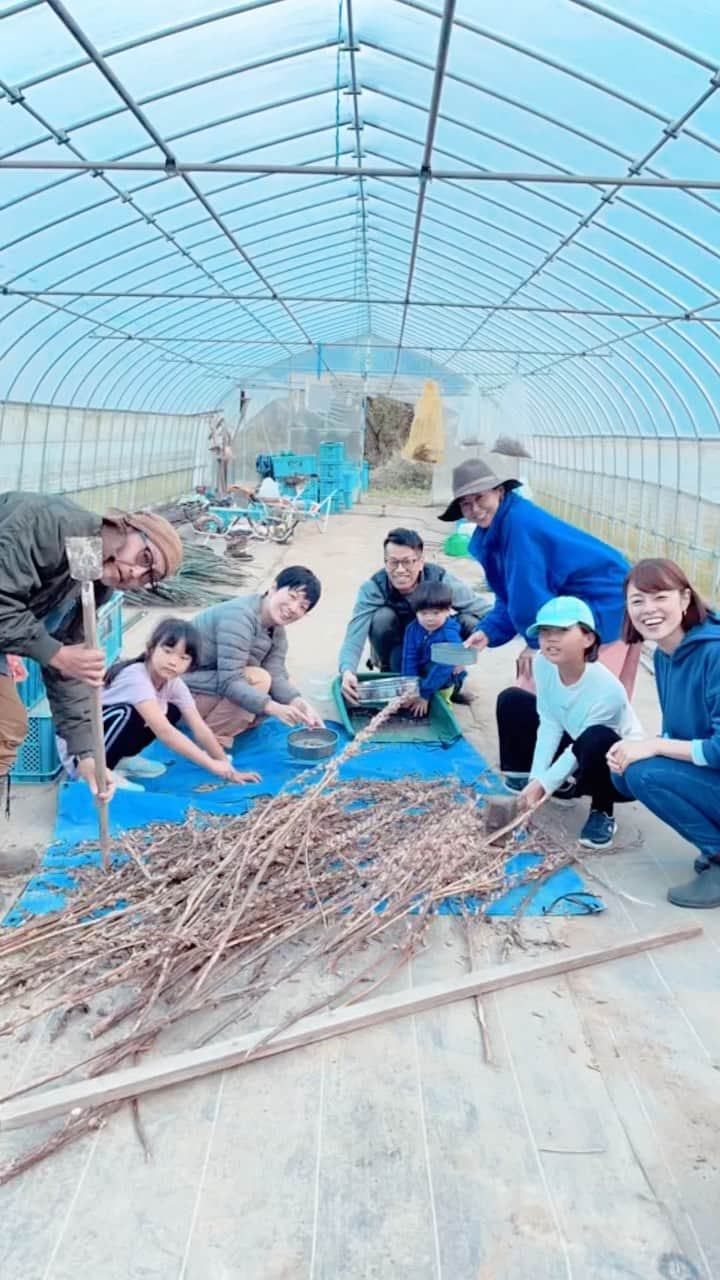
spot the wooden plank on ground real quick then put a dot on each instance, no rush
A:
(174, 1069)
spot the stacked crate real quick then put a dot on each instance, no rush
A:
(37, 759)
(351, 485)
(331, 459)
(286, 465)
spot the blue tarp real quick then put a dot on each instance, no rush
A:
(168, 798)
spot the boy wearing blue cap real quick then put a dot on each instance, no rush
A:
(557, 742)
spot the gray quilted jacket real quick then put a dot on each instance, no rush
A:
(232, 637)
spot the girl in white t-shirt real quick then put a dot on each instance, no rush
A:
(557, 743)
(144, 698)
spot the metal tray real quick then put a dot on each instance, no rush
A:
(378, 691)
(453, 655)
(312, 744)
(438, 728)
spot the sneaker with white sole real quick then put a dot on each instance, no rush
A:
(140, 767)
(123, 783)
(599, 831)
(516, 782)
(565, 793)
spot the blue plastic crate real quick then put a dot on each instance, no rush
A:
(332, 472)
(31, 690)
(110, 627)
(38, 760)
(331, 451)
(294, 464)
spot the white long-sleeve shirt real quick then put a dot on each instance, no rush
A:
(596, 698)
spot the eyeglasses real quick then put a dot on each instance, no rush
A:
(401, 564)
(145, 558)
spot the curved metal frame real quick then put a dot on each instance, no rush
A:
(621, 347)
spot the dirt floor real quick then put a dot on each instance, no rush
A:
(578, 1137)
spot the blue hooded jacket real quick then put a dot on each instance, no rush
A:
(530, 556)
(688, 683)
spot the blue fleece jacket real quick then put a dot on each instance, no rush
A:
(688, 683)
(530, 556)
(417, 659)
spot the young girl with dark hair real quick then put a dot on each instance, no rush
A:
(145, 697)
(678, 775)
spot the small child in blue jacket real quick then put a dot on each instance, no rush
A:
(434, 623)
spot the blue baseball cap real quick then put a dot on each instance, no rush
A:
(564, 611)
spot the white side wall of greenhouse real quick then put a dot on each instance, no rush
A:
(102, 457)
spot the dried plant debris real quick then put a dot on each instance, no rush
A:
(210, 913)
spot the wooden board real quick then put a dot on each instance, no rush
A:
(134, 1081)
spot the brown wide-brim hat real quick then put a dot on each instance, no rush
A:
(478, 475)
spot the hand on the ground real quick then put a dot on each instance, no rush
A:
(86, 771)
(242, 778)
(287, 713)
(622, 754)
(350, 687)
(419, 707)
(78, 663)
(478, 640)
(311, 717)
(532, 794)
(525, 663)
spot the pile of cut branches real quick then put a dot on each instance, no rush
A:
(209, 913)
(203, 579)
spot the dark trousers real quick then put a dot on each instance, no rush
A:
(517, 722)
(126, 733)
(387, 632)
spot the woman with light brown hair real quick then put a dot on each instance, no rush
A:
(677, 775)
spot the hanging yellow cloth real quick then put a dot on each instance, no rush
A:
(426, 442)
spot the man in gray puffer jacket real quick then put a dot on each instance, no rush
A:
(242, 672)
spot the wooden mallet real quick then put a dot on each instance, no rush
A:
(85, 558)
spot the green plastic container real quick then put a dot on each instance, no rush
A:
(439, 726)
(457, 544)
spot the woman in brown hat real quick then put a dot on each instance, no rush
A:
(529, 557)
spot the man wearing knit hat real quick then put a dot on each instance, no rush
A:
(40, 614)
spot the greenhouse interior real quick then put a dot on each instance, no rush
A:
(407, 310)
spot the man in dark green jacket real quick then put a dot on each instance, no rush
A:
(40, 614)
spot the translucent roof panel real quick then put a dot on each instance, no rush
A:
(191, 196)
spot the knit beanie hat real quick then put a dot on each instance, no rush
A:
(157, 530)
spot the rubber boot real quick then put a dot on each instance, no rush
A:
(703, 891)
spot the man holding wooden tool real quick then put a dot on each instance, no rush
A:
(40, 616)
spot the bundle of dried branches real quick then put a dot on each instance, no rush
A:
(206, 913)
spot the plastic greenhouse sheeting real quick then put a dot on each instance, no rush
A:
(190, 195)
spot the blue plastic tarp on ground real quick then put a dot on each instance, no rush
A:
(169, 797)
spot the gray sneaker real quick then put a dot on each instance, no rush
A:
(598, 832)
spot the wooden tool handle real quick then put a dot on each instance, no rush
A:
(96, 722)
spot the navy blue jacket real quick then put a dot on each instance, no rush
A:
(530, 556)
(416, 659)
(688, 683)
